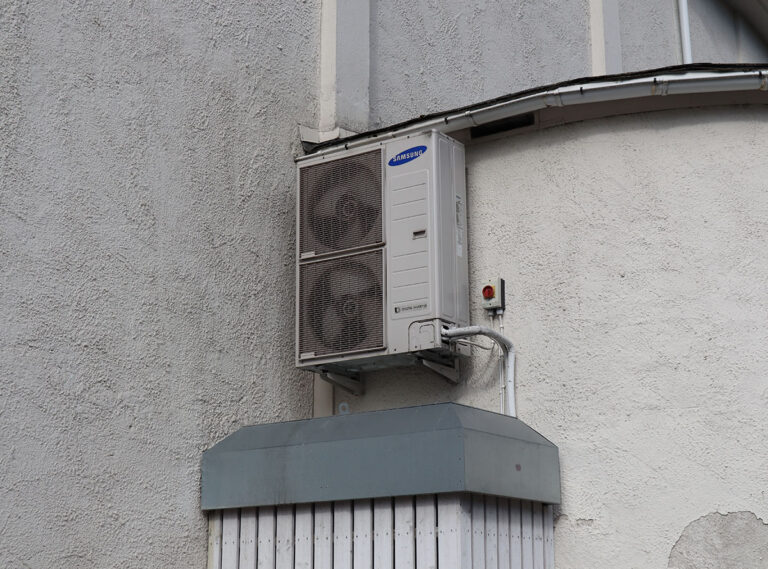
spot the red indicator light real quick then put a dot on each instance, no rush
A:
(488, 292)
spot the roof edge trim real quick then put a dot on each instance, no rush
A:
(680, 80)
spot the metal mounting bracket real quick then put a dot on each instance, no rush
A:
(450, 373)
(350, 383)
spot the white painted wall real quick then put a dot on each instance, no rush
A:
(635, 258)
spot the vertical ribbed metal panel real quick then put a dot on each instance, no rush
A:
(341, 204)
(466, 531)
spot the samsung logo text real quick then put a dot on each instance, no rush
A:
(407, 155)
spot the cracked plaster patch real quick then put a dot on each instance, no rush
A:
(737, 540)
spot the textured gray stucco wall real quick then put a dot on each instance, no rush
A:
(650, 34)
(434, 55)
(634, 253)
(430, 56)
(718, 34)
(146, 263)
(146, 258)
(714, 31)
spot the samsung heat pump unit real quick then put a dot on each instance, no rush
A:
(382, 256)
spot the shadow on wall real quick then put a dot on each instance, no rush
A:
(737, 540)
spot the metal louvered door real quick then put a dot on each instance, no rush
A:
(340, 301)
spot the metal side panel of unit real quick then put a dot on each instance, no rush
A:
(451, 275)
(445, 226)
(461, 275)
(408, 203)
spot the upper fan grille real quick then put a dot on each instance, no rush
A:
(342, 305)
(341, 204)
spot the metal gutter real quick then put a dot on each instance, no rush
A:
(681, 80)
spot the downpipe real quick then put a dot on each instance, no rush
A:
(685, 30)
(507, 386)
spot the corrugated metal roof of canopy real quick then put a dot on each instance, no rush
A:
(429, 449)
(690, 73)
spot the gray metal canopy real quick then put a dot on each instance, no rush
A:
(416, 450)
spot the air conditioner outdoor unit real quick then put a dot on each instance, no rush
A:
(382, 256)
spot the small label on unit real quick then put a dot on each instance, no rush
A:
(407, 155)
(306, 355)
(460, 216)
(406, 308)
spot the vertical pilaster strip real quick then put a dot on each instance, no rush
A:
(612, 30)
(597, 36)
(345, 65)
(327, 106)
(322, 397)
(605, 34)
(353, 64)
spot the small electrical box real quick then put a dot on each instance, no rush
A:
(493, 294)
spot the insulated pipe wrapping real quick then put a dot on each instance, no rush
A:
(508, 386)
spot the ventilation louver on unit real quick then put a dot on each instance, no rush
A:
(344, 302)
(382, 264)
(341, 204)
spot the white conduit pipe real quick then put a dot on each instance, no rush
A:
(685, 30)
(508, 384)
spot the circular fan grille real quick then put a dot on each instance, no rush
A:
(341, 203)
(343, 305)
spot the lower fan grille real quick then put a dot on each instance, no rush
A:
(342, 305)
